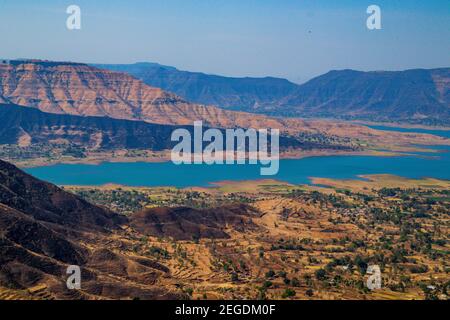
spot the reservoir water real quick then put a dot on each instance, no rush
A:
(296, 171)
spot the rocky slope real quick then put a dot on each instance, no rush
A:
(45, 202)
(79, 89)
(43, 230)
(185, 223)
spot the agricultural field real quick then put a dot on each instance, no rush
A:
(299, 242)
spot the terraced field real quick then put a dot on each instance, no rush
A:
(314, 242)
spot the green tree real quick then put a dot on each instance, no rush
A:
(288, 293)
(321, 274)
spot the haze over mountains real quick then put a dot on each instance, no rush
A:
(169, 96)
(408, 96)
(246, 94)
(411, 96)
(82, 90)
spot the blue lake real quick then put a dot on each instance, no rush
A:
(291, 170)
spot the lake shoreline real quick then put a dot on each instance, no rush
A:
(164, 158)
(152, 169)
(400, 125)
(292, 170)
(361, 183)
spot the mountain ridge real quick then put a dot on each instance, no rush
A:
(79, 89)
(411, 96)
(235, 93)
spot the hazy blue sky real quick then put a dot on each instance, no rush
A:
(287, 38)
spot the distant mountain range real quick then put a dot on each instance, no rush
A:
(112, 110)
(417, 96)
(246, 94)
(411, 96)
(79, 89)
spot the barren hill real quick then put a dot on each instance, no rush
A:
(187, 223)
(47, 203)
(44, 229)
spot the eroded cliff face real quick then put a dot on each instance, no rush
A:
(79, 89)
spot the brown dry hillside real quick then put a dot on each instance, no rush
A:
(185, 223)
(43, 230)
(46, 202)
